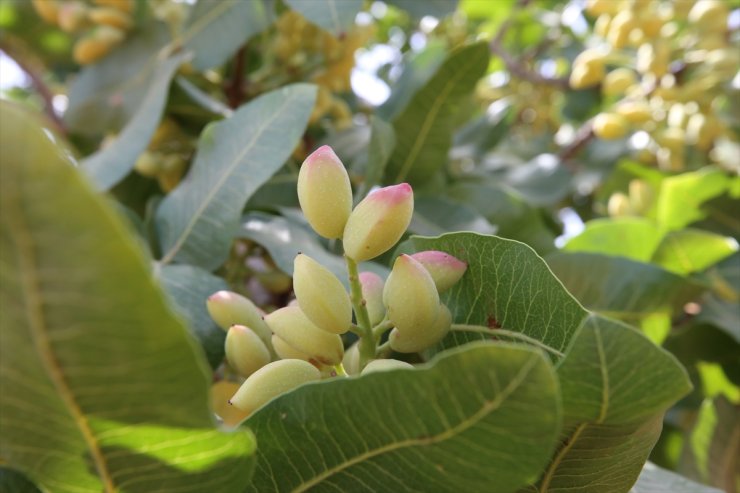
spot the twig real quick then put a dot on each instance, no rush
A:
(236, 90)
(583, 136)
(517, 68)
(33, 71)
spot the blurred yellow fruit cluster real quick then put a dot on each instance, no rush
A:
(102, 24)
(302, 47)
(661, 67)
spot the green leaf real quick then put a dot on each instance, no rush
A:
(712, 452)
(215, 30)
(334, 16)
(382, 143)
(101, 385)
(106, 95)
(284, 238)
(424, 128)
(483, 418)
(12, 481)
(630, 237)
(681, 196)
(692, 250)
(434, 8)
(110, 165)
(418, 68)
(653, 479)
(514, 218)
(616, 385)
(506, 286)
(620, 287)
(438, 215)
(202, 99)
(196, 222)
(188, 287)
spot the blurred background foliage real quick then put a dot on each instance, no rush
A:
(602, 133)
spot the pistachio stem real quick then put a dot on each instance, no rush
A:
(480, 329)
(367, 339)
(382, 328)
(356, 330)
(339, 369)
(383, 350)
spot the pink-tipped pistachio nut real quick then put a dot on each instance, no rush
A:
(372, 293)
(411, 298)
(378, 222)
(321, 295)
(378, 365)
(325, 193)
(292, 326)
(445, 269)
(271, 381)
(245, 351)
(286, 351)
(228, 308)
(413, 342)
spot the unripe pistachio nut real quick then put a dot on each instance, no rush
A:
(410, 297)
(321, 295)
(379, 365)
(610, 126)
(48, 10)
(122, 5)
(325, 193)
(372, 293)
(271, 381)
(413, 342)
(221, 392)
(286, 351)
(245, 351)
(445, 269)
(710, 15)
(619, 205)
(72, 16)
(291, 325)
(378, 222)
(617, 81)
(228, 308)
(111, 17)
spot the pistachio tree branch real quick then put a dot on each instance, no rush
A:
(367, 339)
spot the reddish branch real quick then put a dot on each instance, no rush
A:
(236, 90)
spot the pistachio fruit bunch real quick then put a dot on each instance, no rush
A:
(166, 158)
(300, 47)
(662, 67)
(101, 25)
(302, 342)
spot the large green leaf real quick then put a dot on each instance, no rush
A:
(513, 217)
(692, 250)
(424, 128)
(197, 221)
(12, 481)
(616, 385)
(188, 287)
(631, 237)
(382, 142)
(483, 418)
(506, 286)
(215, 30)
(712, 452)
(653, 479)
(101, 388)
(620, 287)
(111, 164)
(681, 196)
(335, 16)
(106, 95)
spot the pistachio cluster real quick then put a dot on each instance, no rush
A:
(326, 60)
(302, 342)
(167, 155)
(101, 25)
(661, 66)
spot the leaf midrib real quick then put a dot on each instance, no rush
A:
(487, 408)
(31, 286)
(429, 119)
(220, 183)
